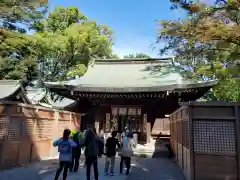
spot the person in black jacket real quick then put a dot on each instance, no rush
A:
(91, 144)
(76, 153)
(111, 145)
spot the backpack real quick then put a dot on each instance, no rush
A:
(76, 139)
(100, 147)
(64, 147)
(125, 143)
(127, 149)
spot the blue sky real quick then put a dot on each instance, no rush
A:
(134, 22)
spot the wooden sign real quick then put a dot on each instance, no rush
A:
(114, 111)
(132, 111)
(123, 111)
(145, 123)
(107, 122)
(139, 113)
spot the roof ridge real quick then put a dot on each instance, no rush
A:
(133, 60)
(8, 82)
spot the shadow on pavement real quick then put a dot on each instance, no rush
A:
(155, 169)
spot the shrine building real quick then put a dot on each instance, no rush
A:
(132, 92)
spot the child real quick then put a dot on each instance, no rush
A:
(65, 145)
(111, 144)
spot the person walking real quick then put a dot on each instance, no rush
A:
(111, 144)
(91, 152)
(76, 152)
(101, 145)
(65, 145)
(82, 143)
(127, 152)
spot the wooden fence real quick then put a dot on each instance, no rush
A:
(206, 140)
(27, 132)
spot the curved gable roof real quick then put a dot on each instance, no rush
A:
(11, 89)
(8, 88)
(131, 75)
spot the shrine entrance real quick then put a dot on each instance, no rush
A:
(130, 117)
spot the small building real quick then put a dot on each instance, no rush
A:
(132, 92)
(14, 90)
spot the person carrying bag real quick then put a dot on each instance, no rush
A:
(127, 152)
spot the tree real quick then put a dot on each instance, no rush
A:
(17, 58)
(137, 55)
(20, 15)
(66, 41)
(115, 56)
(207, 43)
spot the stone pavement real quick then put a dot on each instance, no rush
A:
(142, 169)
(155, 169)
(80, 175)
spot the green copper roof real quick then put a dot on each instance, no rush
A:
(32, 95)
(40, 96)
(8, 88)
(35, 95)
(59, 102)
(138, 75)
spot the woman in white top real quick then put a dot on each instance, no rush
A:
(127, 152)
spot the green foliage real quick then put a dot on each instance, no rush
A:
(228, 90)
(68, 41)
(17, 57)
(207, 43)
(23, 12)
(60, 19)
(137, 55)
(115, 56)
(61, 45)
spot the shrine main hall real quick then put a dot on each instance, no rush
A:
(129, 92)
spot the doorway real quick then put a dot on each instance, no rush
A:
(122, 122)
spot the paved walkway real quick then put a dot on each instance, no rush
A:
(80, 175)
(142, 169)
(155, 169)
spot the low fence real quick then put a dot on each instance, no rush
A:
(27, 132)
(206, 140)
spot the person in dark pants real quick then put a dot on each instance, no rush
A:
(91, 152)
(127, 152)
(65, 145)
(76, 152)
(111, 144)
(101, 145)
(127, 161)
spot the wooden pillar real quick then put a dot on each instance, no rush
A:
(191, 143)
(6, 121)
(147, 127)
(148, 131)
(107, 122)
(97, 126)
(237, 129)
(97, 119)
